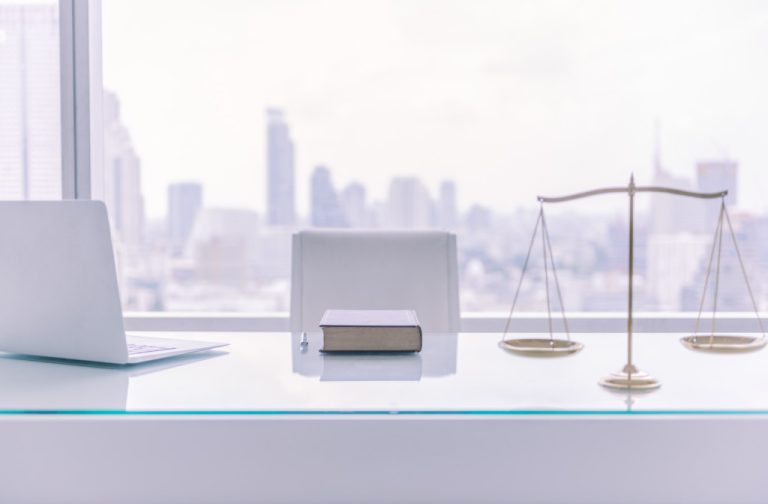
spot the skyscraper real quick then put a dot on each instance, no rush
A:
(669, 214)
(714, 176)
(280, 171)
(219, 245)
(673, 262)
(447, 214)
(185, 199)
(122, 177)
(354, 205)
(30, 141)
(324, 204)
(409, 205)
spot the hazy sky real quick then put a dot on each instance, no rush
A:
(508, 98)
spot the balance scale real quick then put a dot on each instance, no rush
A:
(630, 377)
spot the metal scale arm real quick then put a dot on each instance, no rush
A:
(632, 188)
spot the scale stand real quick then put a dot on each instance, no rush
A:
(724, 343)
(629, 377)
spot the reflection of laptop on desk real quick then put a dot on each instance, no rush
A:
(58, 287)
(42, 384)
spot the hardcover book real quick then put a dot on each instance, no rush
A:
(371, 331)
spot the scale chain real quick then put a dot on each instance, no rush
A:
(522, 274)
(724, 218)
(718, 230)
(549, 260)
(743, 270)
(717, 276)
(545, 235)
(546, 271)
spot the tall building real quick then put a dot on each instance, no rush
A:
(447, 214)
(409, 205)
(478, 218)
(280, 171)
(677, 238)
(674, 261)
(715, 176)
(122, 177)
(324, 205)
(671, 214)
(219, 245)
(30, 141)
(353, 202)
(185, 200)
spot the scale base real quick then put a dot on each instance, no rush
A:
(541, 347)
(630, 378)
(723, 343)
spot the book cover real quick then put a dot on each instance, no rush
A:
(371, 331)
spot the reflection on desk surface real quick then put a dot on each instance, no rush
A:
(269, 373)
(437, 358)
(37, 383)
(371, 367)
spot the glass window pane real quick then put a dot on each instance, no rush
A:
(231, 124)
(30, 138)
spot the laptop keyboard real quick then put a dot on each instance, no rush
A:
(134, 349)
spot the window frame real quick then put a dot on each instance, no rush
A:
(82, 178)
(472, 322)
(80, 74)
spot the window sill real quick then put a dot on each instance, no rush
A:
(581, 322)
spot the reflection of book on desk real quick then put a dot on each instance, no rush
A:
(371, 367)
(371, 331)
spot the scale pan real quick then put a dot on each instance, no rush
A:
(723, 343)
(541, 347)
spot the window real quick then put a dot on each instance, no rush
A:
(229, 125)
(30, 140)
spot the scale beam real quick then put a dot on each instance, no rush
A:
(680, 192)
(631, 189)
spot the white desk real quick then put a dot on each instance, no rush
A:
(265, 421)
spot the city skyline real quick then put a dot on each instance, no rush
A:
(408, 202)
(563, 93)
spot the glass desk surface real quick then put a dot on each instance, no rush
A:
(464, 374)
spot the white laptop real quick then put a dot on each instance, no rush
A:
(58, 287)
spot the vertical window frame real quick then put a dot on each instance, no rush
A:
(81, 90)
